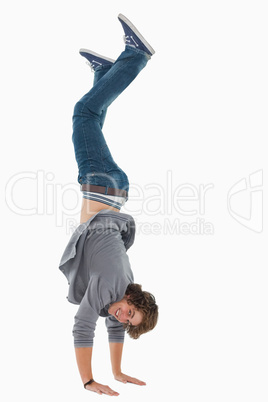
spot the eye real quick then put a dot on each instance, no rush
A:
(129, 313)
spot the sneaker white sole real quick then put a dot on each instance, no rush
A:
(96, 54)
(139, 35)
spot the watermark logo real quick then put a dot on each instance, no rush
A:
(168, 207)
(245, 201)
(36, 193)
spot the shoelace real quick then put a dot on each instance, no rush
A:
(128, 39)
(90, 65)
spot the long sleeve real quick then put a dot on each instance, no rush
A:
(97, 296)
(116, 331)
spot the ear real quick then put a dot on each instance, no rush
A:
(126, 298)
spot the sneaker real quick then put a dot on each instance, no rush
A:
(133, 37)
(94, 59)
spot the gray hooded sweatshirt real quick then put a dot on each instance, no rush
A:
(98, 271)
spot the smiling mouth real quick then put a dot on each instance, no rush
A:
(117, 313)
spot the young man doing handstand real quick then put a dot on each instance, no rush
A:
(95, 261)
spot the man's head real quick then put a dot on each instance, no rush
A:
(137, 311)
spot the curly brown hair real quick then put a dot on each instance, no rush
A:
(145, 303)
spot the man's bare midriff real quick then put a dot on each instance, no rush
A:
(90, 208)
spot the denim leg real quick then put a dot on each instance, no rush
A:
(98, 74)
(95, 162)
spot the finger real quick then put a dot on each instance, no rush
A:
(139, 382)
(98, 392)
(108, 391)
(112, 393)
(136, 381)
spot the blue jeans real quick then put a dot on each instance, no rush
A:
(95, 162)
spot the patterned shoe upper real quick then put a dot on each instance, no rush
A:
(133, 37)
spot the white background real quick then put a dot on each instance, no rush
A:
(198, 112)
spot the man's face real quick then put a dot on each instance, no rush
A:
(125, 313)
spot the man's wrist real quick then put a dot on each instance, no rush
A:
(88, 382)
(117, 372)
